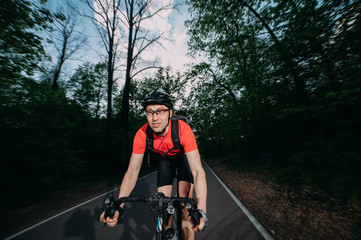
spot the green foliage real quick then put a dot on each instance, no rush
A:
(21, 50)
(282, 80)
(211, 114)
(88, 88)
(47, 143)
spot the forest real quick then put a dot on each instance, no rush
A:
(279, 86)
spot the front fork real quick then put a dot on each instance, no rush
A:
(163, 220)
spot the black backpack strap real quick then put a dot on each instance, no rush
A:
(149, 142)
(175, 134)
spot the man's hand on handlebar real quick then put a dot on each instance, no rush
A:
(112, 213)
(111, 221)
(200, 226)
(198, 218)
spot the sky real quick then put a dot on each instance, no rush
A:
(175, 53)
(172, 53)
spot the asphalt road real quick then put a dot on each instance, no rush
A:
(228, 218)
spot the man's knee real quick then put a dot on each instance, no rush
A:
(185, 189)
(166, 190)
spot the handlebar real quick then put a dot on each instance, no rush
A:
(158, 202)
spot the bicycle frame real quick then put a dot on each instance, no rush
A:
(160, 205)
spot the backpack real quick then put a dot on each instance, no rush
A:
(174, 133)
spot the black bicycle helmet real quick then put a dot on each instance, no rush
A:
(157, 98)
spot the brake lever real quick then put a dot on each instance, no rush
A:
(107, 213)
(194, 216)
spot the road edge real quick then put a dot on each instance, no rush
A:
(259, 226)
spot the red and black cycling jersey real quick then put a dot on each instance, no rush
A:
(163, 144)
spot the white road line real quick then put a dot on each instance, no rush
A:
(59, 214)
(251, 217)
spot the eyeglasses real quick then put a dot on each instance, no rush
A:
(158, 112)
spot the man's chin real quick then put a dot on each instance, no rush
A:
(156, 130)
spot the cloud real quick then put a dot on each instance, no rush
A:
(175, 53)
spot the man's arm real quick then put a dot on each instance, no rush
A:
(127, 186)
(200, 183)
(131, 176)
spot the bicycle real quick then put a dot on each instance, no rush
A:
(163, 208)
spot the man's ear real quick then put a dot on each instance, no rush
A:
(171, 113)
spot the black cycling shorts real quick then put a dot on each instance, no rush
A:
(171, 167)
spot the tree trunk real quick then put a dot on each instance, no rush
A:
(59, 65)
(126, 92)
(108, 130)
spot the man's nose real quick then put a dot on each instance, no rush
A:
(155, 116)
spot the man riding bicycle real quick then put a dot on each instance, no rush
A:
(183, 163)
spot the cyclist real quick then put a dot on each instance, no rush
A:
(184, 163)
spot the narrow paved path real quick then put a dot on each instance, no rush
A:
(228, 218)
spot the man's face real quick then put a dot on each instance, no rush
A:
(158, 116)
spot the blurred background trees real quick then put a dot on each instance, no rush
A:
(294, 67)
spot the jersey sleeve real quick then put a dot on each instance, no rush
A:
(139, 141)
(186, 137)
